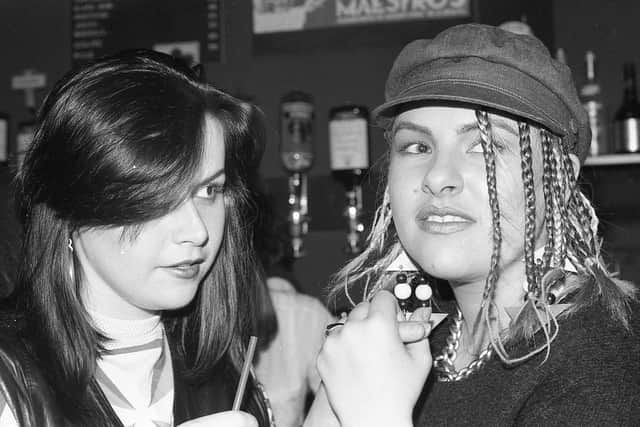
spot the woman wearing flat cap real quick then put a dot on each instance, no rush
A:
(486, 137)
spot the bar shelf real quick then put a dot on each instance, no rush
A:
(613, 159)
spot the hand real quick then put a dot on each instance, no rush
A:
(223, 419)
(372, 377)
(417, 327)
(320, 414)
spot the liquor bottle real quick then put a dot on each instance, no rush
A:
(296, 155)
(591, 96)
(296, 131)
(627, 118)
(349, 143)
(349, 161)
(4, 137)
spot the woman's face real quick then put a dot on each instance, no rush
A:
(160, 268)
(438, 191)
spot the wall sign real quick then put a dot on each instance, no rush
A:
(272, 16)
(187, 28)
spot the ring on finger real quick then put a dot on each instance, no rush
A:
(331, 327)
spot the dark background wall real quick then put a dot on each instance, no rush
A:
(335, 67)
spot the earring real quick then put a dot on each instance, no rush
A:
(402, 289)
(423, 291)
(410, 293)
(402, 263)
(72, 270)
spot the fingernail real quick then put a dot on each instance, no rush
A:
(427, 329)
(422, 313)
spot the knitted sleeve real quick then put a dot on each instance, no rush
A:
(595, 381)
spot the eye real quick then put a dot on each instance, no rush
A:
(415, 148)
(210, 191)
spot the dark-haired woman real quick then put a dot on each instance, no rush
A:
(135, 262)
(486, 136)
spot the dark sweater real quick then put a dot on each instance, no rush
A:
(591, 378)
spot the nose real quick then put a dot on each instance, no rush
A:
(189, 225)
(443, 175)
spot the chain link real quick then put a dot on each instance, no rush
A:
(443, 363)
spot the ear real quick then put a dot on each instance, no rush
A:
(576, 165)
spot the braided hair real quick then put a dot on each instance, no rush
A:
(571, 225)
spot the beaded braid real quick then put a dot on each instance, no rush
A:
(583, 250)
(530, 206)
(549, 200)
(579, 213)
(536, 313)
(490, 165)
(529, 319)
(560, 209)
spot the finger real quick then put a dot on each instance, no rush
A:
(227, 418)
(236, 418)
(421, 314)
(248, 420)
(420, 352)
(384, 304)
(332, 328)
(413, 331)
(360, 311)
(321, 414)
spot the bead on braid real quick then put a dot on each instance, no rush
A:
(526, 163)
(490, 166)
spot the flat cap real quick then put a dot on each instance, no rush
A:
(494, 68)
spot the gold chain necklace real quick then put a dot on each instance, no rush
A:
(443, 363)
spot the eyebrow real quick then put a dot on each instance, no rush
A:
(211, 177)
(397, 126)
(495, 122)
(471, 126)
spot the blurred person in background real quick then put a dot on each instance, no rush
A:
(290, 323)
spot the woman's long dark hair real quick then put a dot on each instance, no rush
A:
(118, 144)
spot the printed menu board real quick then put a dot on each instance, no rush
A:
(190, 29)
(272, 16)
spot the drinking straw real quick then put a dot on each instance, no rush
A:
(244, 376)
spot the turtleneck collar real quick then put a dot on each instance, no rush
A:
(127, 332)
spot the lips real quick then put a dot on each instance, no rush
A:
(187, 269)
(443, 220)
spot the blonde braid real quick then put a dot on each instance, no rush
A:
(549, 208)
(594, 281)
(535, 314)
(490, 166)
(560, 208)
(369, 264)
(530, 206)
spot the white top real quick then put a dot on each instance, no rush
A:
(136, 378)
(136, 375)
(7, 419)
(287, 369)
